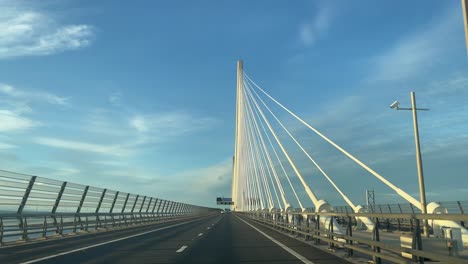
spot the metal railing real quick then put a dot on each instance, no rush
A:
(373, 244)
(34, 207)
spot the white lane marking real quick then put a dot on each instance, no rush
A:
(201, 234)
(208, 227)
(107, 242)
(292, 252)
(181, 249)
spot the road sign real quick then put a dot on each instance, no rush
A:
(224, 201)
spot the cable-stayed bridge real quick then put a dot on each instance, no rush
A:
(278, 215)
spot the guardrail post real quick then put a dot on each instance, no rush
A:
(411, 219)
(376, 237)
(100, 200)
(168, 208)
(154, 207)
(1, 231)
(147, 209)
(164, 209)
(417, 241)
(141, 208)
(398, 219)
(111, 211)
(26, 194)
(113, 203)
(125, 203)
(149, 204)
(99, 207)
(331, 245)
(160, 207)
(83, 197)
(317, 228)
(388, 220)
(59, 196)
(44, 227)
(133, 209)
(22, 224)
(349, 232)
(142, 203)
(462, 223)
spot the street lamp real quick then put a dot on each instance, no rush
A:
(422, 191)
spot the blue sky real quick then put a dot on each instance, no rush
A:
(140, 96)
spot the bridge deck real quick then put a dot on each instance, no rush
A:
(215, 239)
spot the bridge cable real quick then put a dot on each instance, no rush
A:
(307, 154)
(304, 184)
(266, 157)
(402, 193)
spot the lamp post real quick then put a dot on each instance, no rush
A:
(422, 190)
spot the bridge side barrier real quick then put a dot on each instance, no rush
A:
(308, 226)
(34, 207)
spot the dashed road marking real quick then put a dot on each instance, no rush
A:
(181, 249)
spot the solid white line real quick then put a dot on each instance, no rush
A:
(106, 242)
(181, 249)
(201, 234)
(292, 252)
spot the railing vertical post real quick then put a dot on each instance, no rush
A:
(83, 197)
(100, 200)
(141, 208)
(133, 209)
(417, 241)
(161, 206)
(147, 208)
(331, 235)
(376, 237)
(154, 206)
(99, 207)
(125, 203)
(1, 231)
(398, 219)
(59, 197)
(113, 203)
(317, 228)
(462, 223)
(134, 203)
(388, 219)
(142, 204)
(26, 194)
(23, 225)
(349, 232)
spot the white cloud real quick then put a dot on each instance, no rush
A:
(419, 51)
(310, 32)
(25, 31)
(11, 121)
(114, 150)
(6, 146)
(39, 96)
(169, 123)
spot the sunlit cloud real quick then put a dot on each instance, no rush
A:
(113, 150)
(25, 31)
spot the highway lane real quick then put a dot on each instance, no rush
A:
(234, 241)
(44, 249)
(221, 238)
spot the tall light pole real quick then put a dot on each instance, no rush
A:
(465, 19)
(422, 189)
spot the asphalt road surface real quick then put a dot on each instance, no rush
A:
(220, 238)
